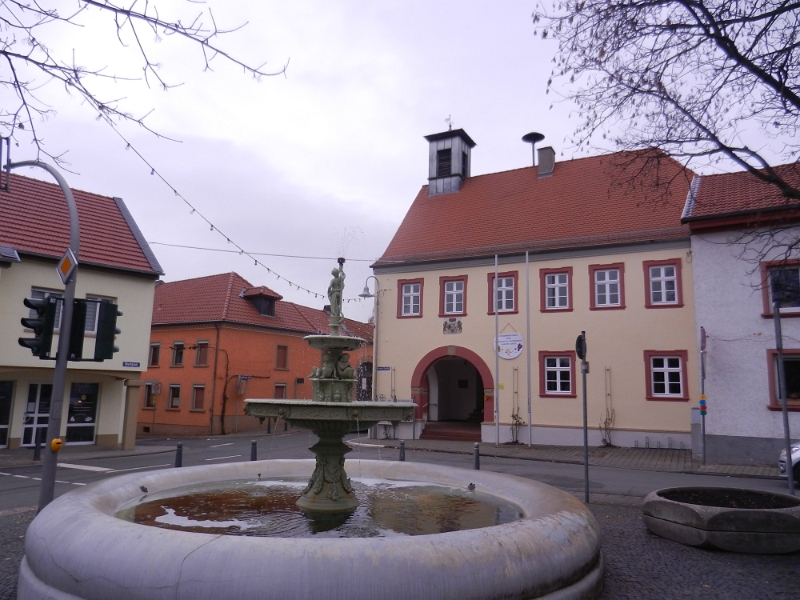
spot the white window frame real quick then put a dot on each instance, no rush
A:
(664, 372)
(454, 297)
(91, 326)
(659, 284)
(504, 294)
(173, 396)
(556, 290)
(558, 369)
(174, 354)
(411, 295)
(194, 397)
(603, 288)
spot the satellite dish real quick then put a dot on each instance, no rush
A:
(533, 138)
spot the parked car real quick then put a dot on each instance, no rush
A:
(795, 462)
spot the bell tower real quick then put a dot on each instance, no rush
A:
(449, 161)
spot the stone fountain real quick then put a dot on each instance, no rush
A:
(80, 547)
(332, 413)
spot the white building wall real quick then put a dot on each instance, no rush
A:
(740, 428)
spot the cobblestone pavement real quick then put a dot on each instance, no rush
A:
(12, 548)
(640, 565)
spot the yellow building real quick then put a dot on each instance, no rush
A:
(115, 263)
(593, 244)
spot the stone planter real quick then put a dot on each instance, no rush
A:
(730, 519)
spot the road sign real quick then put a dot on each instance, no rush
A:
(156, 389)
(66, 265)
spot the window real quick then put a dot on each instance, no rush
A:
(608, 291)
(92, 312)
(444, 159)
(174, 397)
(280, 390)
(409, 301)
(663, 283)
(282, 358)
(781, 282)
(155, 352)
(198, 397)
(666, 375)
(201, 356)
(177, 354)
(556, 289)
(505, 298)
(452, 296)
(791, 373)
(149, 398)
(557, 374)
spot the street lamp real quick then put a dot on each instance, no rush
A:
(366, 294)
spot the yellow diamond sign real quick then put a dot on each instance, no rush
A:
(66, 266)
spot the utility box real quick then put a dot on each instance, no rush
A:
(697, 433)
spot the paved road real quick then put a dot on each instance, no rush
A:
(639, 565)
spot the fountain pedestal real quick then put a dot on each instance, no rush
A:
(329, 489)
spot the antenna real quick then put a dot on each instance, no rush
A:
(532, 138)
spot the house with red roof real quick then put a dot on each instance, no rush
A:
(217, 340)
(489, 280)
(116, 263)
(745, 256)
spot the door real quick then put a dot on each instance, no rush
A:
(37, 413)
(82, 415)
(6, 390)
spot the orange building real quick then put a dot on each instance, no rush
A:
(217, 340)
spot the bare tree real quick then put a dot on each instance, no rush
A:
(29, 63)
(701, 80)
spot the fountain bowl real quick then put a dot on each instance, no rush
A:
(77, 549)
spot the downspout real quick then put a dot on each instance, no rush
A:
(214, 383)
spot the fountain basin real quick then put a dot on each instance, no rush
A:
(731, 519)
(334, 342)
(342, 416)
(77, 548)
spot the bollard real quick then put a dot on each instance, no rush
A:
(37, 447)
(477, 453)
(179, 455)
(253, 450)
(402, 450)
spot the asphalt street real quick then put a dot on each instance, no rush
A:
(638, 563)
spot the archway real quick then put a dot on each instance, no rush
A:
(450, 386)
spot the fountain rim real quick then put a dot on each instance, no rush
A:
(554, 546)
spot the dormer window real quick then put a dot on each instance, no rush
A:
(264, 306)
(262, 298)
(444, 161)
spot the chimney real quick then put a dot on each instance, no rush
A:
(448, 161)
(547, 161)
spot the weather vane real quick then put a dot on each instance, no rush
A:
(449, 121)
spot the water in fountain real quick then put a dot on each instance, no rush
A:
(268, 509)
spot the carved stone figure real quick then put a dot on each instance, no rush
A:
(326, 371)
(335, 290)
(343, 368)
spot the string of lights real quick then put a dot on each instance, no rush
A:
(194, 211)
(259, 253)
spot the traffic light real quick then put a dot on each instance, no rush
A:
(77, 330)
(42, 324)
(107, 314)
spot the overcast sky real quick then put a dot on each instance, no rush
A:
(323, 161)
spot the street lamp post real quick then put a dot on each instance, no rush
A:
(366, 294)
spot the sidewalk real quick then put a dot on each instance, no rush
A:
(645, 459)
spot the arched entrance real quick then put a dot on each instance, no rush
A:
(450, 386)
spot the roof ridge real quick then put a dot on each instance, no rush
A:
(227, 303)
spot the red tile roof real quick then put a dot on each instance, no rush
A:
(615, 198)
(742, 192)
(221, 297)
(261, 290)
(34, 220)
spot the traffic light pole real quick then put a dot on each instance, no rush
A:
(47, 490)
